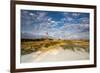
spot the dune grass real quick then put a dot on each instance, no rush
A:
(33, 46)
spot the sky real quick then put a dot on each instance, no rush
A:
(57, 24)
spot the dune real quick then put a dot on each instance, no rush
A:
(54, 55)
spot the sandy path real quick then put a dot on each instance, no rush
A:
(57, 54)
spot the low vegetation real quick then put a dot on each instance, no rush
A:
(29, 46)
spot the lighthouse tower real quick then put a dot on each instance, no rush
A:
(46, 35)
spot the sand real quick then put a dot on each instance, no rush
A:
(54, 55)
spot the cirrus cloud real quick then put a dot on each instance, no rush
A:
(63, 25)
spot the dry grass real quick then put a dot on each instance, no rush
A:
(44, 45)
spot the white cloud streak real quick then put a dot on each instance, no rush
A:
(42, 24)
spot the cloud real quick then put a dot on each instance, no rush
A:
(69, 18)
(72, 14)
(74, 31)
(31, 14)
(76, 17)
(74, 27)
(76, 14)
(41, 16)
(84, 20)
(71, 26)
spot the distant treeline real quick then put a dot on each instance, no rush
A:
(42, 39)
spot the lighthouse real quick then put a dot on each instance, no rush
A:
(46, 35)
